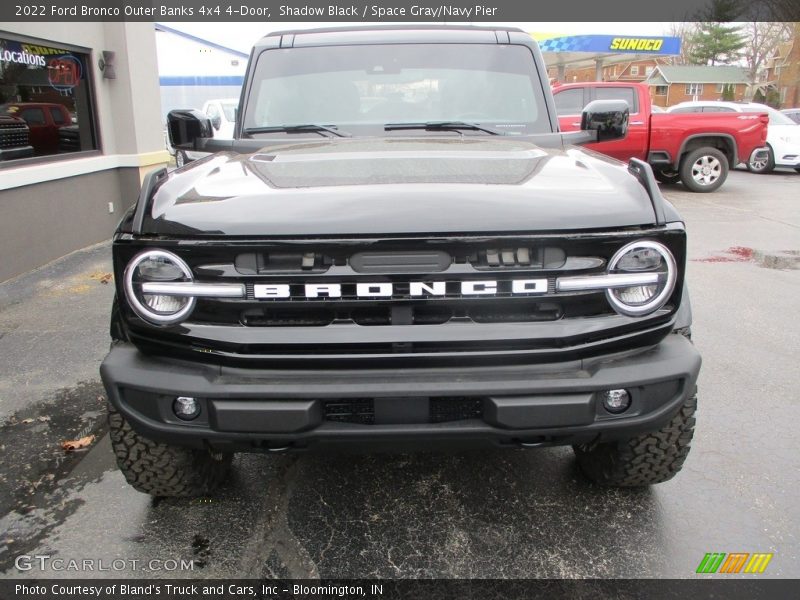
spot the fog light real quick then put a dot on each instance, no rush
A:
(616, 401)
(186, 408)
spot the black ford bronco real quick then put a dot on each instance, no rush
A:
(399, 249)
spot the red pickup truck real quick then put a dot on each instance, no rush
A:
(697, 149)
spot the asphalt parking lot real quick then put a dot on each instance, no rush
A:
(507, 514)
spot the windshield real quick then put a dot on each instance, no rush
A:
(777, 118)
(363, 88)
(229, 108)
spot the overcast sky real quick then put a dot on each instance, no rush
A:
(242, 36)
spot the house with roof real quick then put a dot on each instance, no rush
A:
(670, 84)
(192, 70)
(783, 72)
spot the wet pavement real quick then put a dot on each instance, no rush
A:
(510, 513)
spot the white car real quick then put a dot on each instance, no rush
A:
(222, 114)
(783, 134)
(792, 113)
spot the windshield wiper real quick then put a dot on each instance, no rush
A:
(442, 125)
(297, 129)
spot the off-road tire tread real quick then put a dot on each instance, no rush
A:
(646, 459)
(163, 470)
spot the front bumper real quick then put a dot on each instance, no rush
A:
(785, 154)
(789, 158)
(270, 409)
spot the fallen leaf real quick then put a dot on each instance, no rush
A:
(26, 421)
(103, 278)
(44, 419)
(71, 445)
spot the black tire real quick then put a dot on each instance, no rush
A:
(765, 166)
(181, 159)
(163, 470)
(692, 171)
(644, 460)
(797, 169)
(667, 178)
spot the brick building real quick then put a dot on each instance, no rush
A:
(783, 71)
(672, 84)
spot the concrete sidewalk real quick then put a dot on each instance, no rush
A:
(54, 327)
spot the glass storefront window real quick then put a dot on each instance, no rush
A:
(46, 103)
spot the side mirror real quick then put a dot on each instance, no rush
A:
(185, 127)
(609, 118)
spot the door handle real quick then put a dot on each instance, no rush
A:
(636, 123)
(578, 124)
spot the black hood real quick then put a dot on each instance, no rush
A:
(398, 186)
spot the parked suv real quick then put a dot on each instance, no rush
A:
(399, 249)
(783, 134)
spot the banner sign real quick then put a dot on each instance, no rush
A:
(659, 45)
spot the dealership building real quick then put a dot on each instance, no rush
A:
(89, 94)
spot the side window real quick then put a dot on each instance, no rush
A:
(569, 102)
(212, 111)
(687, 109)
(619, 93)
(57, 116)
(33, 116)
(717, 109)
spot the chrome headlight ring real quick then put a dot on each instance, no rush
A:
(664, 287)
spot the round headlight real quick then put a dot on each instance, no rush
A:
(157, 266)
(642, 257)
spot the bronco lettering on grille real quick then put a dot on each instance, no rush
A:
(415, 289)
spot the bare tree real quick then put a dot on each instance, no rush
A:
(763, 38)
(685, 31)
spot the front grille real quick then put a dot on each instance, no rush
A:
(13, 135)
(440, 410)
(545, 325)
(446, 409)
(434, 312)
(349, 410)
(448, 266)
